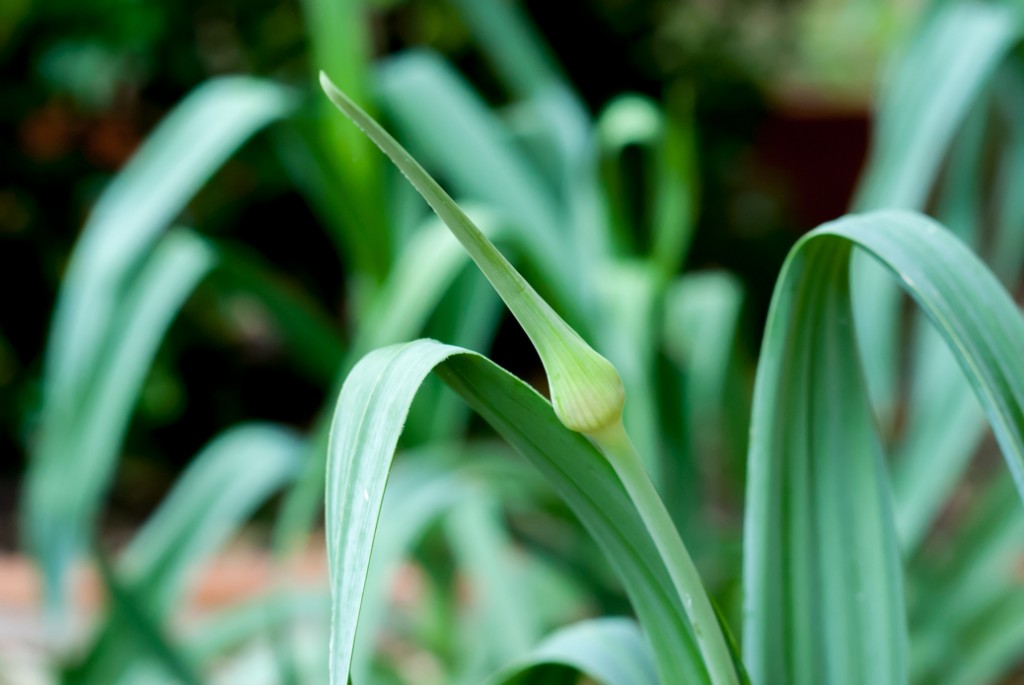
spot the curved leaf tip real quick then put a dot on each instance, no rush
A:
(586, 390)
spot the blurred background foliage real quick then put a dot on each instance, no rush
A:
(781, 88)
(312, 270)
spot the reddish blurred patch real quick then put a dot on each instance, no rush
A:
(56, 130)
(110, 141)
(49, 133)
(233, 576)
(816, 150)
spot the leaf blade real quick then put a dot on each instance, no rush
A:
(377, 394)
(811, 312)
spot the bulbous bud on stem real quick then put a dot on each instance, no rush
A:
(586, 390)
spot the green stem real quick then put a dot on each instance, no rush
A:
(614, 442)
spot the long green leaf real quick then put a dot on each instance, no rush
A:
(421, 489)
(339, 32)
(511, 43)
(367, 424)
(75, 458)
(587, 393)
(176, 160)
(1008, 244)
(666, 208)
(226, 481)
(939, 75)
(928, 95)
(131, 615)
(585, 388)
(699, 336)
(823, 584)
(398, 311)
(977, 570)
(112, 308)
(452, 129)
(504, 618)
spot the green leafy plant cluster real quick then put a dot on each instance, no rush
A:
(607, 513)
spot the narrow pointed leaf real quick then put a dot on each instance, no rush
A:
(341, 42)
(74, 460)
(940, 74)
(585, 388)
(367, 424)
(224, 484)
(511, 42)
(420, 491)
(229, 478)
(141, 201)
(978, 570)
(112, 308)
(504, 617)
(824, 599)
(131, 616)
(454, 132)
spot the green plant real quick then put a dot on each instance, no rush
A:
(127, 280)
(823, 585)
(853, 566)
(824, 588)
